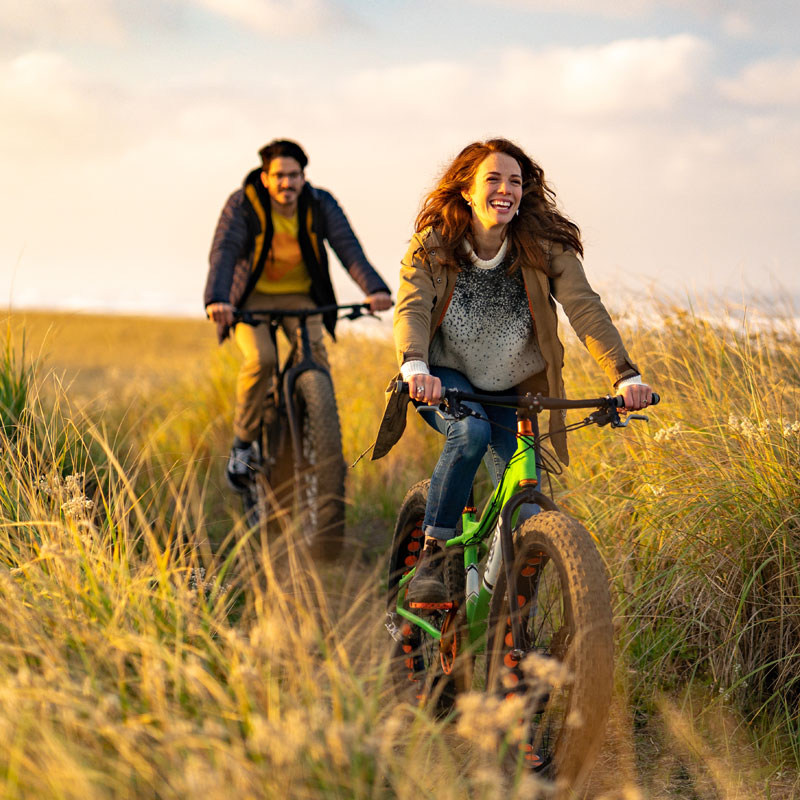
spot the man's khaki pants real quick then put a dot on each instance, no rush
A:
(260, 359)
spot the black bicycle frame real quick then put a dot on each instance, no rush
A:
(291, 371)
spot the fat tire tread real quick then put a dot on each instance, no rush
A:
(316, 401)
(590, 656)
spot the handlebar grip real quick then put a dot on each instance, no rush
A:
(401, 387)
(655, 399)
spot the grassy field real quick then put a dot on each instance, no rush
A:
(150, 648)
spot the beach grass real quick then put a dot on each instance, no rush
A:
(150, 646)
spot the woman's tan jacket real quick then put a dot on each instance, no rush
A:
(426, 287)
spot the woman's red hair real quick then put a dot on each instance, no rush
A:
(539, 220)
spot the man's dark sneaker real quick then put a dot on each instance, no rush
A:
(241, 464)
(427, 586)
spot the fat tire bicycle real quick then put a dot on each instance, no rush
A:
(301, 474)
(539, 613)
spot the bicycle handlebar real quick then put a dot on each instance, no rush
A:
(533, 402)
(257, 316)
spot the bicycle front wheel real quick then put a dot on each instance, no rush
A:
(320, 473)
(565, 674)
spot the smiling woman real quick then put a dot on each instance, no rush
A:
(476, 310)
(494, 197)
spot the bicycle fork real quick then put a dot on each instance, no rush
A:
(527, 495)
(501, 556)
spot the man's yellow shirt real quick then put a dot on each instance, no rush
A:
(285, 272)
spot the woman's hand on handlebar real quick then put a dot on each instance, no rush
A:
(425, 388)
(220, 312)
(637, 396)
(380, 301)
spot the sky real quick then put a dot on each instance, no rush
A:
(668, 130)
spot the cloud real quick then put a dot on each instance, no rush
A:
(38, 91)
(611, 8)
(45, 22)
(775, 20)
(278, 18)
(738, 25)
(627, 78)
(55, 111)
(624, 77)
(633, 8)
(87, 20)
(667, 169)
(769, 82)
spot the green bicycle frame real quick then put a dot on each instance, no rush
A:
(519, 475)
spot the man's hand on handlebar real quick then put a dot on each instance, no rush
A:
(220, 312)
(425, 389)
(380, 301)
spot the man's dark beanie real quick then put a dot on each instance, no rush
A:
(285, 148)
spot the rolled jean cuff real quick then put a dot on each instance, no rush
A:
(443, 534)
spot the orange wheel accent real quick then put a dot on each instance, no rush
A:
(410, 663)
(410, 561)
(521, 600)
(413, 547)
(407, 648)
(406, 630)
(510, 679)
(510, 662)
(526, 572)
(509, 640)
(530, 755)
(417, 532)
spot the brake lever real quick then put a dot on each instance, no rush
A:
(619, 423)
(602, 417)
(456, 408)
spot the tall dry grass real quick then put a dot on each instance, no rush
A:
(138, 658)
(151, 647)
(697, 515)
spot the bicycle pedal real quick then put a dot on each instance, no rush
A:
(432, 606)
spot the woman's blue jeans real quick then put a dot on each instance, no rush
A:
(467, 442)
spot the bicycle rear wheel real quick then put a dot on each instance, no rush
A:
(425, 670)
(566, 673)
(313, 488)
